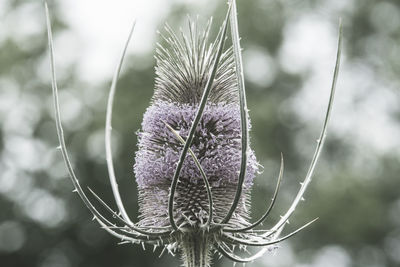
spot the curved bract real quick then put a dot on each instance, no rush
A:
(194, 167)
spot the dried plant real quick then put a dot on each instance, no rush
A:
(195, 203)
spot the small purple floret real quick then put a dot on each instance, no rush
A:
(216, 144)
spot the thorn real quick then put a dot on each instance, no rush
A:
(94, 218)
(144, 248)
(154, 248)
(302, 199)
(162, 252)
(59, 147)
(75, 190)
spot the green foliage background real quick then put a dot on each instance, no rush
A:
(355, 191)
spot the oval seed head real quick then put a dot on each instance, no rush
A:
(183, 68)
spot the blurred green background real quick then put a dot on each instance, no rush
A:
(289, 53)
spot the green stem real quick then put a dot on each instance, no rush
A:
(196, 250)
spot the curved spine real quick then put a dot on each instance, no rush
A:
(199, 113)
(274, 241)
(262, 219)
(108, 128)
(59, 128)
(203, 175)
(243, 110)
(320, 141)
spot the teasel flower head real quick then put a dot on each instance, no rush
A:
(194, 166)
(183, 69)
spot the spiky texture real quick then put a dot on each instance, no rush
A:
(184, 65)
(183, 69)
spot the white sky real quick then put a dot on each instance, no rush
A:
(102, 28)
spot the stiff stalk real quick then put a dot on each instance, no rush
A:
(196, 250)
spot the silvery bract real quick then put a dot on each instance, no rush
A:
(194, 166)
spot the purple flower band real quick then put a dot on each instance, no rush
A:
(216, 145)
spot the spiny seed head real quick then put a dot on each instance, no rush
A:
(183, 69)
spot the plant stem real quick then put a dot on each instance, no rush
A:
(196, 250)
